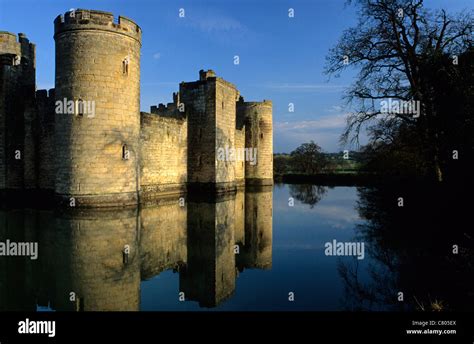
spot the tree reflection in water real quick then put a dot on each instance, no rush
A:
(308, 194)
(411, 250)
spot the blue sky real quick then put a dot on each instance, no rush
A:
(281, 58)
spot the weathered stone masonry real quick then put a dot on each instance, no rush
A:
(163, 142)
(98, 60)
(118, 155)
(17, 113)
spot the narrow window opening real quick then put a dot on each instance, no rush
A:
(80, 108)
(125, 64)
(125, 153)
(125, 258)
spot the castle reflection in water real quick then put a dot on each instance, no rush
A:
(208, 242)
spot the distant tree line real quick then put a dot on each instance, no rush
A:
(309, 159)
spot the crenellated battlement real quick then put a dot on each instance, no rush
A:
(254, 110)
(45, 95)
(98, 62)
(264, 103)
(82, 19)
(136, 156)
(164, 110)
(147, 118)
(16, 50)
(206, 77)
(10, 45)
(8, 37)
(170, 110)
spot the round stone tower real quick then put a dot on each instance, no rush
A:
(259, 136)
(97, 108)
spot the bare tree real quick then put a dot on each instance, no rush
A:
(397, 45)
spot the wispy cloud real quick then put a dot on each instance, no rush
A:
(327, 122)
(216, 23)
(325, 131)
(212, 21)
(336, 109)
(156, 56)
(335, 216)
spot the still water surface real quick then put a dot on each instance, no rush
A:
(260, 250)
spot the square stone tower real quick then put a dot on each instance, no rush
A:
(210, 106)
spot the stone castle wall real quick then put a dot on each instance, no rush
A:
(226, 97)
(5, 89)
(117, 155)
(13, 119)
(17, 112)
(240, 144)
(163, 161)
(3, 165)
(30, 141)
(46, 147)
(98, 60)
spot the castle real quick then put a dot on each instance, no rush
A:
(86, 141)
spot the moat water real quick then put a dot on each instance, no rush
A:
(258, 250)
